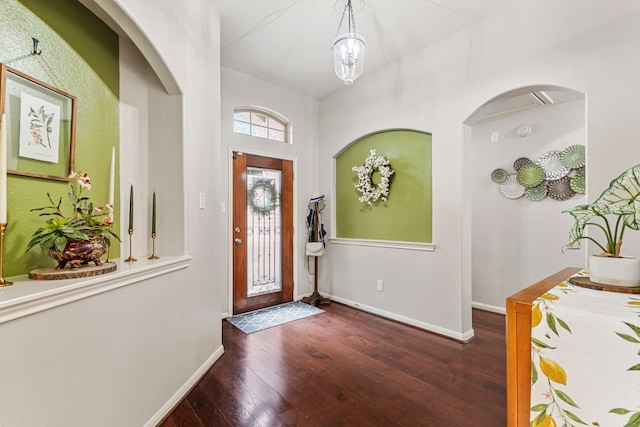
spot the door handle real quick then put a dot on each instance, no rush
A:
(237, 241)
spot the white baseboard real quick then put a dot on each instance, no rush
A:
(464, 337)
(487, 307)
(185, 389)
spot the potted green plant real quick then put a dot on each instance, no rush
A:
(81, 236)
(617, 209)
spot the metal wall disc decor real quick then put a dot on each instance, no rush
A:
(511, 189)
(499, 175)
(578, 183)
(560, 189)
(520, 162)
(530, 175)
(537, 193)
(573, 157)
(556, 174)
(553, 167)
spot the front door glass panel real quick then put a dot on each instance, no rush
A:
(264, 231)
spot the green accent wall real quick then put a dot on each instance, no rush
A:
(80, 57)
(407, 214)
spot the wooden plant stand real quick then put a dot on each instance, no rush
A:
(53, 273)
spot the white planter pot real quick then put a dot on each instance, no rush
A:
(623, 271)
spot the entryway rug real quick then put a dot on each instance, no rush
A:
(269, 317)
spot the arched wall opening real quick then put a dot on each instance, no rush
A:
(404, 213)
(151, 133)
(514, 240)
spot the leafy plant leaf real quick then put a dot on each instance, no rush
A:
(563, 324)
(628, 337)
(624, 191)
(539, 407)
(634, 328)
(634, 421)
(634, 368)
(540, 418)
(551, 321)
(541, 344)
(619, 411)
(565, 398)
(574, 417)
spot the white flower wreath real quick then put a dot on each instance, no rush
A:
(370, 192)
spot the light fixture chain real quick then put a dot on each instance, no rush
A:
(353, 19)
(346, 6)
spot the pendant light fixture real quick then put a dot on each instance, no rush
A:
(348, 49)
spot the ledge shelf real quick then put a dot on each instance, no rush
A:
(412, 246)
(26, 297)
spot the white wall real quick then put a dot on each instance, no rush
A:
(517, 242)
(436, 89)
(302, 110)
(123, 357)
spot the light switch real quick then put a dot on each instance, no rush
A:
(203, 201)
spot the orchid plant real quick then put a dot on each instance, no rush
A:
(86, 220)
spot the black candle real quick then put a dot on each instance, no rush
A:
(131, 208)
(153, 215)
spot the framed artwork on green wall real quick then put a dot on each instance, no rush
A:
(40, 121)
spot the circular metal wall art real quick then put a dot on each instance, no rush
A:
(499, 175)
(578, 183)
(511, 188)
(553, 167)
(537, 193)
(520, 162)
(530, 175)
(573, 157)
(560, 189)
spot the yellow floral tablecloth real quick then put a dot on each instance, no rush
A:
(585, 358)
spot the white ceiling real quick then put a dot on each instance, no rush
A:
(288, 42)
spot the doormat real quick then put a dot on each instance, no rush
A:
(269, 317)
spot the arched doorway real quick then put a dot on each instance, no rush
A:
(514, 241)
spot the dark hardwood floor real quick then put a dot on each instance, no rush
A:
(345, 367)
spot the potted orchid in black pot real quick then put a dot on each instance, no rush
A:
(616, 210)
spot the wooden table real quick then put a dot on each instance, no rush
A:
(572, 354)
(519, 346)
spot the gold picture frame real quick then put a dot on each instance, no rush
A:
(41, 126)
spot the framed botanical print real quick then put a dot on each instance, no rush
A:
(41, 122)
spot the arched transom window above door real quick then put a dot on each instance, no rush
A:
(262, 124)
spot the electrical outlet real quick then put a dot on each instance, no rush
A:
(495, 136)
(380, 285)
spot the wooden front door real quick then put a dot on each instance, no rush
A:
(262, 232)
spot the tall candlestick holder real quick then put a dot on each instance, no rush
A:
(131, 258)
(3, 281)
(153, 246)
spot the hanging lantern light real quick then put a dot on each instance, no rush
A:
(348, 49)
